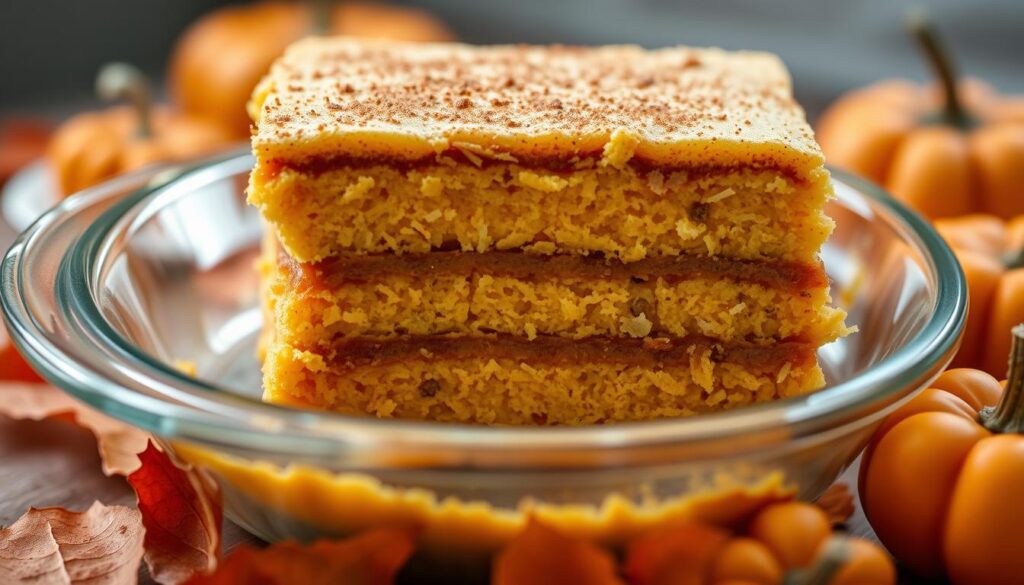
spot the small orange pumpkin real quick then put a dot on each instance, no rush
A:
(94, 146)
(784, 542)
(991, 253)
(220, 59)
(939, 477)
(958, 154)
(787, 542)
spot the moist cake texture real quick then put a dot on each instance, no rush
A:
(537, 235)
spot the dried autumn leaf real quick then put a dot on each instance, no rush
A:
(679, 554)
(182, 513)
(837, 502)
(540, 554)
(29, 553)
(101, 546)
(372, 558)
(119, 443)
(12, 365)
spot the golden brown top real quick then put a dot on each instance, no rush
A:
(354, 98)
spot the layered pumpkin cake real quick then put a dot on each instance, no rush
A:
(537, 235)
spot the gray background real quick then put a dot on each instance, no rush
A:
(50, 49)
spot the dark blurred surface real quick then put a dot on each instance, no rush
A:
(50, 49)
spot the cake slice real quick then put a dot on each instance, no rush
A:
(537, 235)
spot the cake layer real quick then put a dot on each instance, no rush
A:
(509, 380)
(376, 147)
(528, 295)
(626, 213)
(403, 101)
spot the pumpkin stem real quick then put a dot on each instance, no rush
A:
(834, 555)
(1008, 415)
(322, 16)
(121, 81)
(1014, 260)
(939, 58)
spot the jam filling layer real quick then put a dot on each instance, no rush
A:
(318, 165)
(360, 268)
(348, 354)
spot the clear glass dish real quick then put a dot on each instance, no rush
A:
(111, 291)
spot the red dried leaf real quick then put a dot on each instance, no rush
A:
(540, 554)
(837, 502)
(102, 546)
(679, 554)
(12, 365)
(22, 140)
(119, 444)
(372, 558)
(182, 513)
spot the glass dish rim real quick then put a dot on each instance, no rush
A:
(216, 415)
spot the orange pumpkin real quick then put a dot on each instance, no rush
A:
(94, 146)
(220, 59)
(945, 154)
(991, 252)
(782, 541)
(939, 477)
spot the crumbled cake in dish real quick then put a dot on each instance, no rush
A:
(537, 235)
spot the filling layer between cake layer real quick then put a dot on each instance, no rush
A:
(550, 380)
(625, 211)
(529, 295)
(350, 354)
(348, 268)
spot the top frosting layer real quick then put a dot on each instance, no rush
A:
(399, 101)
